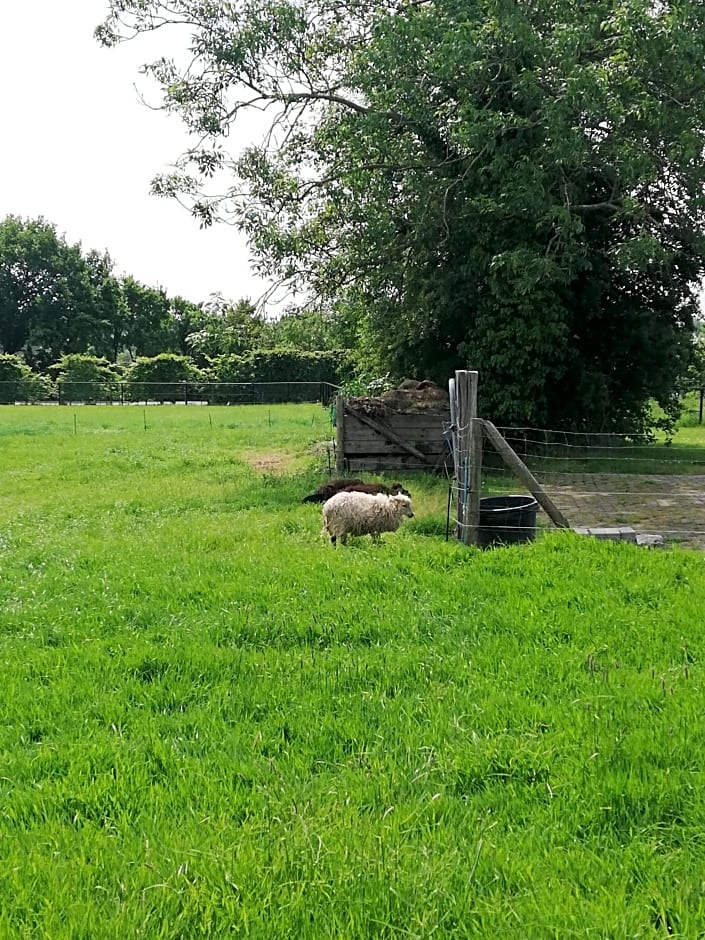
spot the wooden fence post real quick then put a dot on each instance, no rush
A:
(339, 434)
(468, 456)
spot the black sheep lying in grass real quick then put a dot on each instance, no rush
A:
(326, 490)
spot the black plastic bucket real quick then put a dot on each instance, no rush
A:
(505, 520)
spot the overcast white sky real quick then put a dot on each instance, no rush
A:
(80, 149)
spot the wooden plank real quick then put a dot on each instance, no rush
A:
(525, 475)
(380, 460)
(370, 446)
(362, 423)
(406, 424)
(359, 465)
(412, 419)
(392, 452)
(420, 434)
(354, 431)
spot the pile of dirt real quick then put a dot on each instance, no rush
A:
(410, 396)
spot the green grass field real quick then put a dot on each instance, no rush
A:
(213, 724)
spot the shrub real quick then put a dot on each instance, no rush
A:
(280, 365)
(81, 377)
(19, 383)
(166, 377)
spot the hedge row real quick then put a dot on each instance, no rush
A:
(88, 378)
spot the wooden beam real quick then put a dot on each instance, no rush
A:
(525, 475)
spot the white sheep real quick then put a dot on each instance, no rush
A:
(351, 513)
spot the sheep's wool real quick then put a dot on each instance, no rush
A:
(350, 513)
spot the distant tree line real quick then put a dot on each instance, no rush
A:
(67, 317)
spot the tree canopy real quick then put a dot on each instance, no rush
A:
(54, 301)
(515, 187)
(46, 297)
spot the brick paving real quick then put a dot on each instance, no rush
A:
(669, 505)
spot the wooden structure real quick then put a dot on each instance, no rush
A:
(377, 435)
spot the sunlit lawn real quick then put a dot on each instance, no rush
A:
(214, 724)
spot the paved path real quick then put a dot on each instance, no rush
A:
(670, 505)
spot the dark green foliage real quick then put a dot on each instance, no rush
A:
(86, 378)
(19, 383)
(281, 366)
(510, 187)
(311, 330)
(166, 377)
(54, 302)
(109, 308)
(46, 298)
(147, 330)
(225, 329)
(186, 318)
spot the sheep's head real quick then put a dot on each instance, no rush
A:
(402, 504)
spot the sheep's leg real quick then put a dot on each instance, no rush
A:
(344, 539)
(376, 538)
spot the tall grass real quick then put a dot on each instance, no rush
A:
(214, 724)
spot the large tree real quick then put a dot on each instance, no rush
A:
(55, 301)
(226, 329)
(111, 312)
(510, 185)
(148, 329)
(47, 301)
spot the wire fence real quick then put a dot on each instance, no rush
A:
(153, 393)
(606, 485)
(624, 489)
